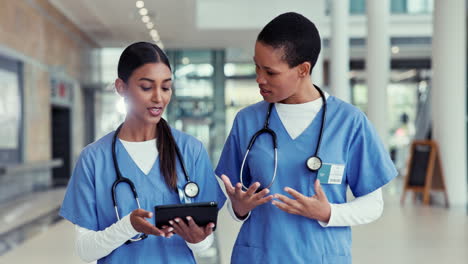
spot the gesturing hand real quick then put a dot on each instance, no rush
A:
(315, 207)
(245, 201)
(191, 232)
(140, 224)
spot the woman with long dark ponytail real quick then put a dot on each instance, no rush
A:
(144, 150)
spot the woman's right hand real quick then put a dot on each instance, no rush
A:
(140, 224)
(245, 201)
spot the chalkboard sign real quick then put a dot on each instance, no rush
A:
(419, 165)
(424, 172)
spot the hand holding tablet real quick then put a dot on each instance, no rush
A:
(201, 213)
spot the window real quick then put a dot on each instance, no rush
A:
(10, 111)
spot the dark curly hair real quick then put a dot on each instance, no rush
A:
(296, 35)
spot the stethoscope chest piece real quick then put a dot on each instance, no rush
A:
(314, 163)
(191, 189)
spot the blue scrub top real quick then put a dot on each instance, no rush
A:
(271, 235)
(88, 200)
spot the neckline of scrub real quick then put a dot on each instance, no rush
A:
(285, 131)
(132, 162)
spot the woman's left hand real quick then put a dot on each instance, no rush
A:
(316, 207)
(191, 232)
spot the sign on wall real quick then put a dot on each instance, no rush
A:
(61, 92)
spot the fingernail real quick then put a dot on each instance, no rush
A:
(171, 222)
(177, 220)
(170, 229)
(189, 218)
(267, 191)
(150, 215)
(212, 225)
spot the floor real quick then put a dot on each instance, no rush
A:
(413, 234)
(410, 234)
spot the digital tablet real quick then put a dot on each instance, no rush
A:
(202, 213)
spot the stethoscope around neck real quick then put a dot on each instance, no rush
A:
(190, 189)
(314, 163)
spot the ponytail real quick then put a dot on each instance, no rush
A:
(167, 153)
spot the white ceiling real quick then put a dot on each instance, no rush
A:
(194, 24)
(116, 23)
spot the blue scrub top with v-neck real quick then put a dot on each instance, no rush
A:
(271, 235)
(88, 200)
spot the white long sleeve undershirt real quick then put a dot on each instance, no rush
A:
(92, 245)
(362, 210)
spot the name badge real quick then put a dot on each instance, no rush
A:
(331, 173)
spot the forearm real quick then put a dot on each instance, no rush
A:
(202, 245)
(233, 214)
(362, 210)
(92, 245)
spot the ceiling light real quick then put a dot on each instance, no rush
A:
(185, 60)
(156, 37)
(143, 11)
(154, 33)
(140, 4)
(145, 19)
(149, 25)
(395, 49)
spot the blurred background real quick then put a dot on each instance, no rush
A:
(402, 62)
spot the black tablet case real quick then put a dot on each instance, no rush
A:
(202, 213)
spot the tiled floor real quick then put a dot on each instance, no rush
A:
(409, 234)
(27, 216)
(31, 206)
(413, 234)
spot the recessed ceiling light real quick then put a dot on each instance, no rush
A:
(140, 4)
(395, 49)
(185, 60)
(154, 33)
(143, 11)
(145, 19)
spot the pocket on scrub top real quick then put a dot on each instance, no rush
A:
(336, 259)
(246, 254)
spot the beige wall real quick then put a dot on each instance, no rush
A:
(34, 32)
(36, 103)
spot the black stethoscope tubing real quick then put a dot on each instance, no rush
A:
(122, 179)
(322, 124)
(314, 163)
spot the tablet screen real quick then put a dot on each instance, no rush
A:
(202, 213)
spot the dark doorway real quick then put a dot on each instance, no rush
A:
(90, 111)
(61, 145)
